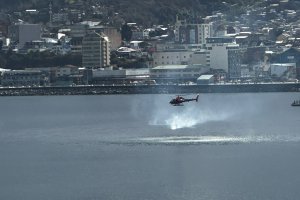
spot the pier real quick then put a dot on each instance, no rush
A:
(149, 89)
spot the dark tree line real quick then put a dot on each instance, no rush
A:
(11, 60)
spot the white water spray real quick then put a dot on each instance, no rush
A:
(187, 117)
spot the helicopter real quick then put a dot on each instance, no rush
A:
(179, 100)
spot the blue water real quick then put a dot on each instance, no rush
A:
(226, 146)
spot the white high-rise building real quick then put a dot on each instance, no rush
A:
(217, 56)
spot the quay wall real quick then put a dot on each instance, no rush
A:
(150, 89)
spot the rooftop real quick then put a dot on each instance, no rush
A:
(171, 67)
(205, 77)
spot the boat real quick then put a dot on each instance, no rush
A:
(296, 103)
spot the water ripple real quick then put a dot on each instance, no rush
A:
(213, 139)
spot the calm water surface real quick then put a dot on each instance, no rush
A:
(133, 147)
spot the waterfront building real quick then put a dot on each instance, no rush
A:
(102, 73)
(205, 79)
(48, 74)
(121, 76)
(177, 73)
(291, 55)
(95, 50)
(66, 71)
(68, 75)
(22, 33)
(21, 78)
(217, 52)
(283, 71)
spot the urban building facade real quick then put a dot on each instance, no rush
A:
(175, 57)
(217, 52)
(177, 73)
(21, 78)
(95, 50)
(192, 33)
(22, 33)
(234, 63)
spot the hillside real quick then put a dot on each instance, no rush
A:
(164, 11)
(140, 11)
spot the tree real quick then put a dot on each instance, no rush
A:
(126, 32)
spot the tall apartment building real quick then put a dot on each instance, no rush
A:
(234, 63)
(218, 56)
(192, 33)
(95, 50)
(114, 35)
(22, 33)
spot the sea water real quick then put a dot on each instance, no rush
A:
(226, 146)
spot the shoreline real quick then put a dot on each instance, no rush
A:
(149, 89)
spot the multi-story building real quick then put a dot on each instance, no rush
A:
(113, 34)
(192, 33)
(217, 53)
(291, 55)
(95, 50)
(22, 33)
(79, 30)
(234, 63)
(199, 57)
(76, 45)
(171, 57)
(283, 71)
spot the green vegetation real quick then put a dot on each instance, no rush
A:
(145, 12)
(11, 60)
